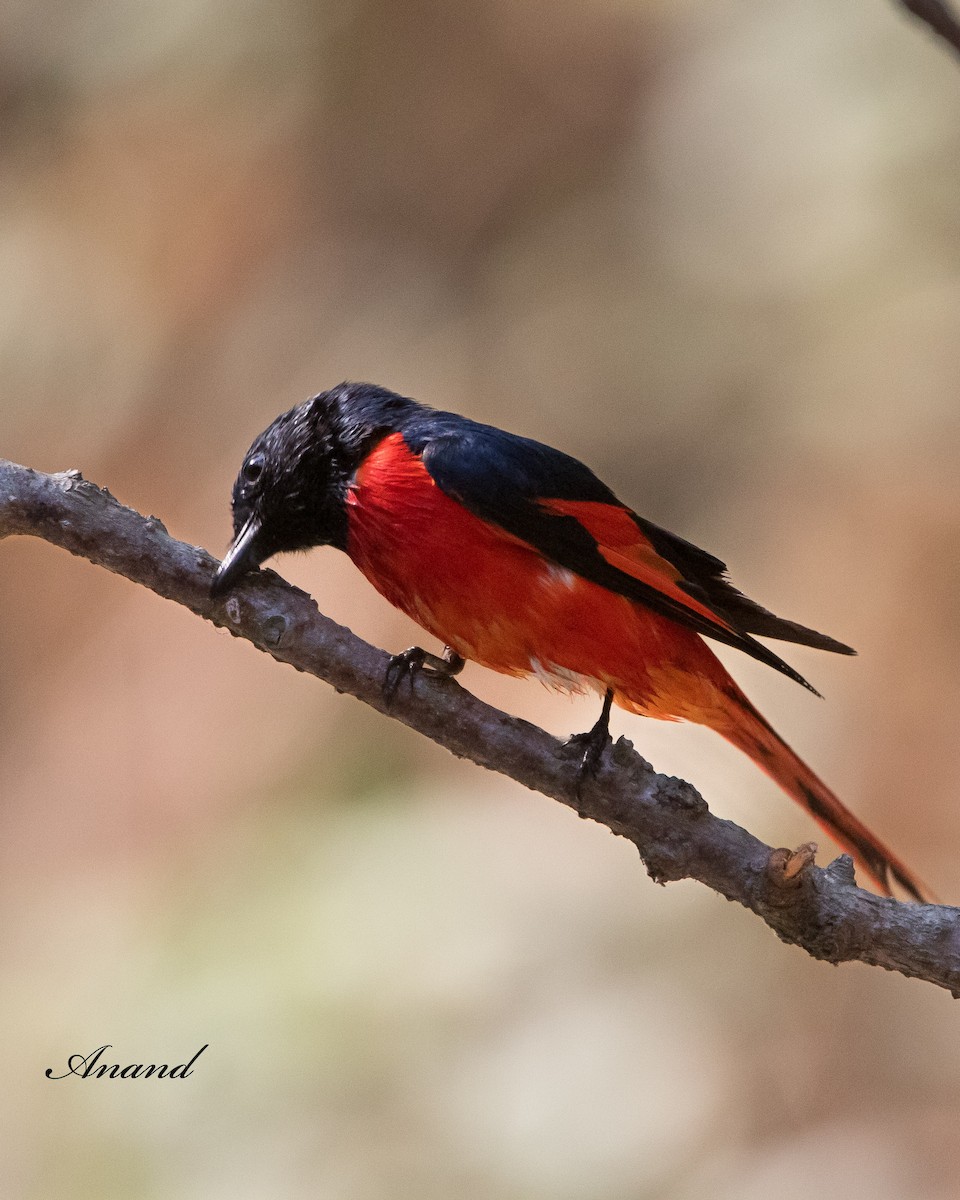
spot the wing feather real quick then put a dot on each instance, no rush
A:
(557, 505)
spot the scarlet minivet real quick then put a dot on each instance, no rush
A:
(518, 557)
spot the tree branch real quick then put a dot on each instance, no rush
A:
(820, 910)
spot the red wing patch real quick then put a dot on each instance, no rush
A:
(621, 543)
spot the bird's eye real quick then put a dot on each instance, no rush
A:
(253, 469)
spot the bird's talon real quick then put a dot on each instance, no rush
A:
(411, 662)
(401, 666)
(590, 762)
(594, 743)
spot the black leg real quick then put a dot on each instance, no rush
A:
(410, 662)
(453, 663)
(593, 742)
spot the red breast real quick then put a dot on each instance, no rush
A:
(493, 598)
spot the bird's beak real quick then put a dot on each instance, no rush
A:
(243, 556)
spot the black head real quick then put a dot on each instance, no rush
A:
(290, 493)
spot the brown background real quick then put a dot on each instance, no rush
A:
(710, 248)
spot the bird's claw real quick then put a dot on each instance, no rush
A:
(411, 662)
(592, 744)
(402, 666)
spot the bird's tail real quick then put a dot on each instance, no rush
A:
(749, 732)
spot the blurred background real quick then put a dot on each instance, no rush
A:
(713, 250)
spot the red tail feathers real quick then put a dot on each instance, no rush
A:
(749, 732)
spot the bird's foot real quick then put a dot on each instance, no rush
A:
(591, 746)
(411, 662)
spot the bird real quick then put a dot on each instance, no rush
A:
(516, 556)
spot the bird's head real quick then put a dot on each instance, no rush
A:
(289, 492)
